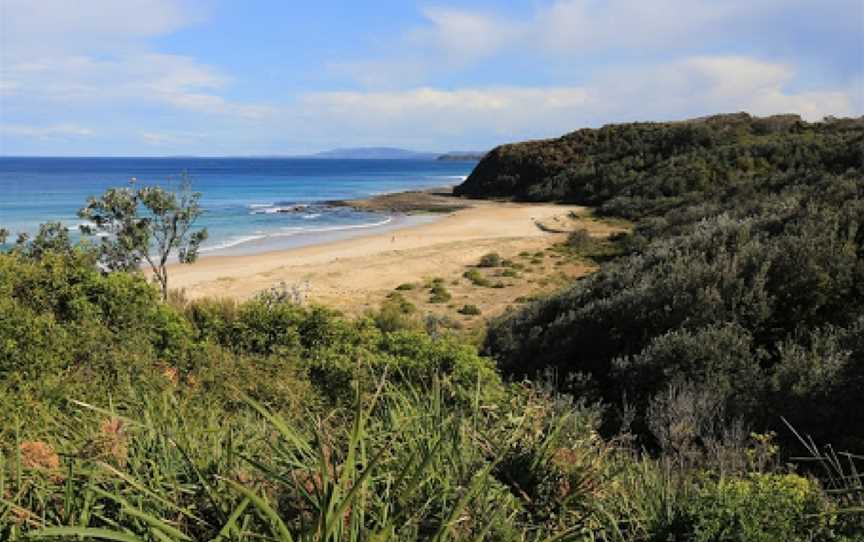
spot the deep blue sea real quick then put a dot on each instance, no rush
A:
(251, 204)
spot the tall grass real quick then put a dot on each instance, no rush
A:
(402, 461)
(841, 476)
(405, 463)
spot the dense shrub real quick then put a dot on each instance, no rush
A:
(743, 279)
(492, 259)
(642, 169)
(477, 278)
(439, 294)
(579, 240)
(469, 310)
(759, 508)
(396, 313)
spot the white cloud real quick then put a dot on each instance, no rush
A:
(440, 114)
(576, 27)
(172, 139)
(465, 36)
(452, 39)
(760, 87)
(54, 54)
(712, 84)
(46, 132)
(570, 36)
(559, 66)
(39, 27)
(690, 87)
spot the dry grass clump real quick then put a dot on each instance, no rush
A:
(39, 455)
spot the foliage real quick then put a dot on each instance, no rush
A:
(752, 294)
(147, 223)
(644, 169)
(439, 294)
(759, 508)
(396, 313)
(579, 240)
(477, 278)
(125, 417)
(469, 310)
(492, 259)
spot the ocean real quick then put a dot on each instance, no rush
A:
(250, 204)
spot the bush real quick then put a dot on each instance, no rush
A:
(490, 260)
(477, 278)
(439, 294)
(759, 301)
(579, 240)
(406, 286)
(759, 508)
(396, 313)
(469, 310)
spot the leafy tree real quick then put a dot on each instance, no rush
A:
(146, 223)
(4, 234)
(53, 237)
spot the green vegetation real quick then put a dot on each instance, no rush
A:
(406, 286)
(647, 169)
(580, 240)
(645, 401)
(751, 295)
(395, 313)
(477, 278)
(146, 224)
(493, 259)
(439, 293)
(469, 310)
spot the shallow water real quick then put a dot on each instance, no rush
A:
(251, 204)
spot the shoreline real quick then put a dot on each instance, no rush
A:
(397, 210)
(357, 273)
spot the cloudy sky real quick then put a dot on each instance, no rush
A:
(231, 77)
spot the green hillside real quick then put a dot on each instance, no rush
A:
(742, 283)
(640, 169)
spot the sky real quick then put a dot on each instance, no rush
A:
(281, 77)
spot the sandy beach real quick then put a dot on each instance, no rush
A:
(355, 274)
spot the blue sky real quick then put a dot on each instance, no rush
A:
(231, 77)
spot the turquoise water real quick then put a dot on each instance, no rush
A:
(250, 204)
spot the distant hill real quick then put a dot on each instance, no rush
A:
(463, 156)
(375, 153)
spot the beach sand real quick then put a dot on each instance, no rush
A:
(355, 274)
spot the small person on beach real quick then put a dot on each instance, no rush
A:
(393, 239)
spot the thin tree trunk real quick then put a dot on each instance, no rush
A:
(163, 282)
